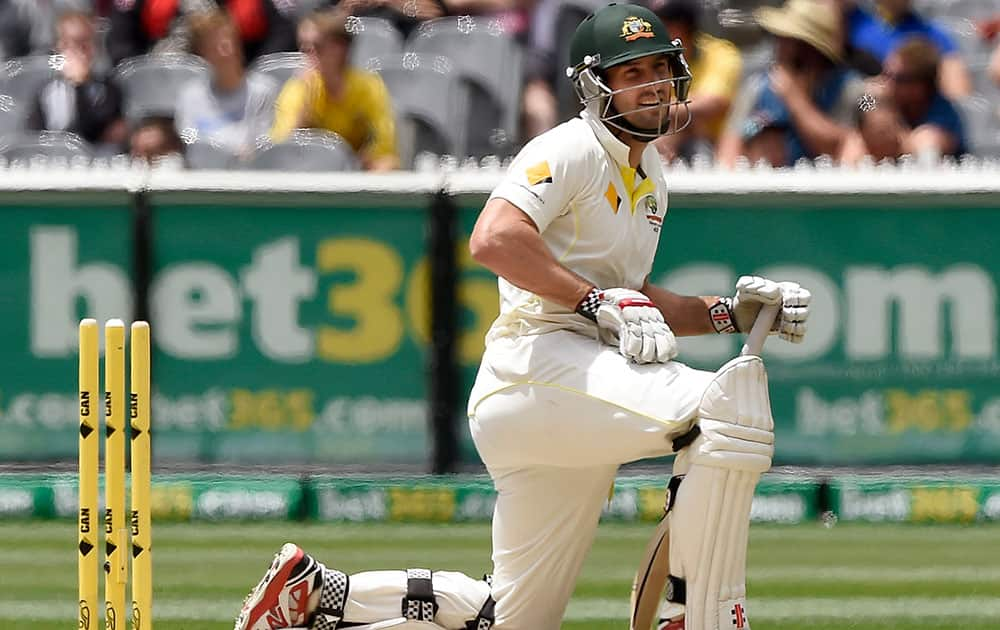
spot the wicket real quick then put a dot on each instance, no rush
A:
(117, 535)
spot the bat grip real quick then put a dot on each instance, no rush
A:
(761, 327)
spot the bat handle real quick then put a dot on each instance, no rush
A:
(761, 327)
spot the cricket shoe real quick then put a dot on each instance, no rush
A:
(671, 624)
(671, 617)
(281, 598)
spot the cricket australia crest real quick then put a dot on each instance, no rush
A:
(653, 213)
(634, 28)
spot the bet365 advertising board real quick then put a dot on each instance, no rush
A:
(297, 332)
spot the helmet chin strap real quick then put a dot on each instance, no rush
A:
(623, 127)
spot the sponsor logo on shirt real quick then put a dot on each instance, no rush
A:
(539, 174)
(614, 200)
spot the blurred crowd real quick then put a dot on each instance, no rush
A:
(371, 84)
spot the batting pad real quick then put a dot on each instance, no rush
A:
(401, 623)
(710, 520)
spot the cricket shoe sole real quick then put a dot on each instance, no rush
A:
(280, 601)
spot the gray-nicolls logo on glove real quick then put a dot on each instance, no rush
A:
(737, 313)
(629, 319)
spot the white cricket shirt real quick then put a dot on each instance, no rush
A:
(598, 216)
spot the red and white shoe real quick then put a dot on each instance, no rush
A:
(281, 598)
(671, 616)
(671, 624)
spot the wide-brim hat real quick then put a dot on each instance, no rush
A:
(815, 22)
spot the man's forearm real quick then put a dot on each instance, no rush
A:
(955, 80)
(705, 108)
(995, 66)
(882, 132)
(686, 315)
(729, 149)
(820, 134)
(380, 164)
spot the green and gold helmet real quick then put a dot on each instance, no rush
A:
(616, 34)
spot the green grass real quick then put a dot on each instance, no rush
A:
(871, 577)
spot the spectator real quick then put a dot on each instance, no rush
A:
(862, 61)
(895, 21)
(334, 96)
(911, 115)
(995, 66)
(142, 26)
(154, 138)
(27, 26)
(715, 70)
(988, 30)
(78, 101)
(406, 15)
(807, 103)
(232, 109)
(540, 107)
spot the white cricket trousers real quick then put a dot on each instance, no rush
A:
(552, 416)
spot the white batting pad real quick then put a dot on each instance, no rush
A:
(375, 599)
(401, 624)
(710, 520)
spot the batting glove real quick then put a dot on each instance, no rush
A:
(737, 314)
(630, 320)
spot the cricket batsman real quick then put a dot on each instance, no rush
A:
(578, 377)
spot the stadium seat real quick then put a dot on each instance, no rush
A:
(279, 66)
(102, 58)
(971, 9)
(20, 81)
(307, 150)
(305, 7)
(963, 30)
(150, 83)
(931, 8)
(29, 145)
(11, 116)
(982, 126)
(373, 37)
(982, 81)
(201, 154)
(424, 91)
(489, 63)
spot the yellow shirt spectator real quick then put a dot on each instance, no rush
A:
(362, 113)
(715, 71)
